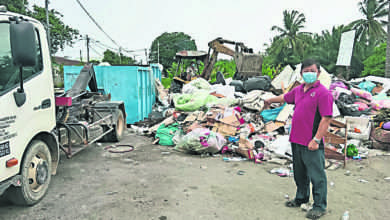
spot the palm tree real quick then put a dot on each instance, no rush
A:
(371, 27)
(387, 69)
(290, 43)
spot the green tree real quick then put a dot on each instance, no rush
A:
(370, 28)
(18, 6)
(289, 47)
(116, 58)
(165, 46)
(375, 64)
(60, 33)
(387, 69)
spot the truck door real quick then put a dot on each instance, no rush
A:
(19, 124)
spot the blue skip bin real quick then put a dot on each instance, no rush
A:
(132, 84)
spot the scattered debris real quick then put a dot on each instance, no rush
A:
(362, 180)
(306, 207)
(119, 148)
(240, 172)
(229, 117)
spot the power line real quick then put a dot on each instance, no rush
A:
(103, 45)
(94, 21)
(96, 52)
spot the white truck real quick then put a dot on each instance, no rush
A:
(35, 124)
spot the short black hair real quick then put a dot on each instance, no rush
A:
(309, 62)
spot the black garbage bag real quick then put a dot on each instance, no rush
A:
(176, 86)
(346, 99)
(220, 79)
(258, 83)
(238, 85)
(350, 109)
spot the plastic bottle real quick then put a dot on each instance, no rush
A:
(345, 216)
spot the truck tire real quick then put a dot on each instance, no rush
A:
(35, 175)
(119, 128)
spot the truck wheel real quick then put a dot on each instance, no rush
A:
(119, 128)
(35, 175)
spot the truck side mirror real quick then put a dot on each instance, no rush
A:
(24, 52)
(23, 44)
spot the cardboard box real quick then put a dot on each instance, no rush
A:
(272, 126)
(245, 148)
(225, 129)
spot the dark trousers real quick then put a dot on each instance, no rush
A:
(309, 166)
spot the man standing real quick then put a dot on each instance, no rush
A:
(311, 119)
(191, 71)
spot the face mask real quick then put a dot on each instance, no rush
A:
(309, 77)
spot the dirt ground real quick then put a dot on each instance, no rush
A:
(151, 184)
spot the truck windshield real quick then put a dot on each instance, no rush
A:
(8, 72)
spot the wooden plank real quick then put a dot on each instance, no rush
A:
(338, 124)
(333, 140)
(331, 154)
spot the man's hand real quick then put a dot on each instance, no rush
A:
(313, 145)
(267, 103)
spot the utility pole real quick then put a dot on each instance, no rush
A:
(146, 56)
(158, 51)
(87, 48)
(81, 57)
(387, 68)
(120, 56)
(47, 23)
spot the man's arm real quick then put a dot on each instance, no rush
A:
(274, 99)
(322, 130)
(323, 127)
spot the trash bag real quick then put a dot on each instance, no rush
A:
(367, 86)
(166, 134)
(271, 114)
(176, 86)
(238, 86)
(381, 96)
(351, 109)
(346, 99)
(338, 84)
(281, 147)
(351, 150)
(189, 89)
(220, 79)
(379, 104)
(201, 140)
(258, 83)
(193, 102)
(362, 93)
(227, 91)
(200, 83)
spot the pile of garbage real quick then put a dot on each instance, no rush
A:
(229, 117)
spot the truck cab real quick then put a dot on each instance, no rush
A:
(29, 151)
(34, 123)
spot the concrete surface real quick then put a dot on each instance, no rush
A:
(151, 184)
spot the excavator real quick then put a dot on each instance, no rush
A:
(248, 64)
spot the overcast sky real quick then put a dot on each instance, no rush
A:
(134, 24)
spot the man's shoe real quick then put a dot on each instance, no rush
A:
(315, 214)
(293, 203)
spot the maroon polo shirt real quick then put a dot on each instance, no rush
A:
(310, 107)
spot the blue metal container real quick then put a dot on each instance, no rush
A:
(132, 84)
